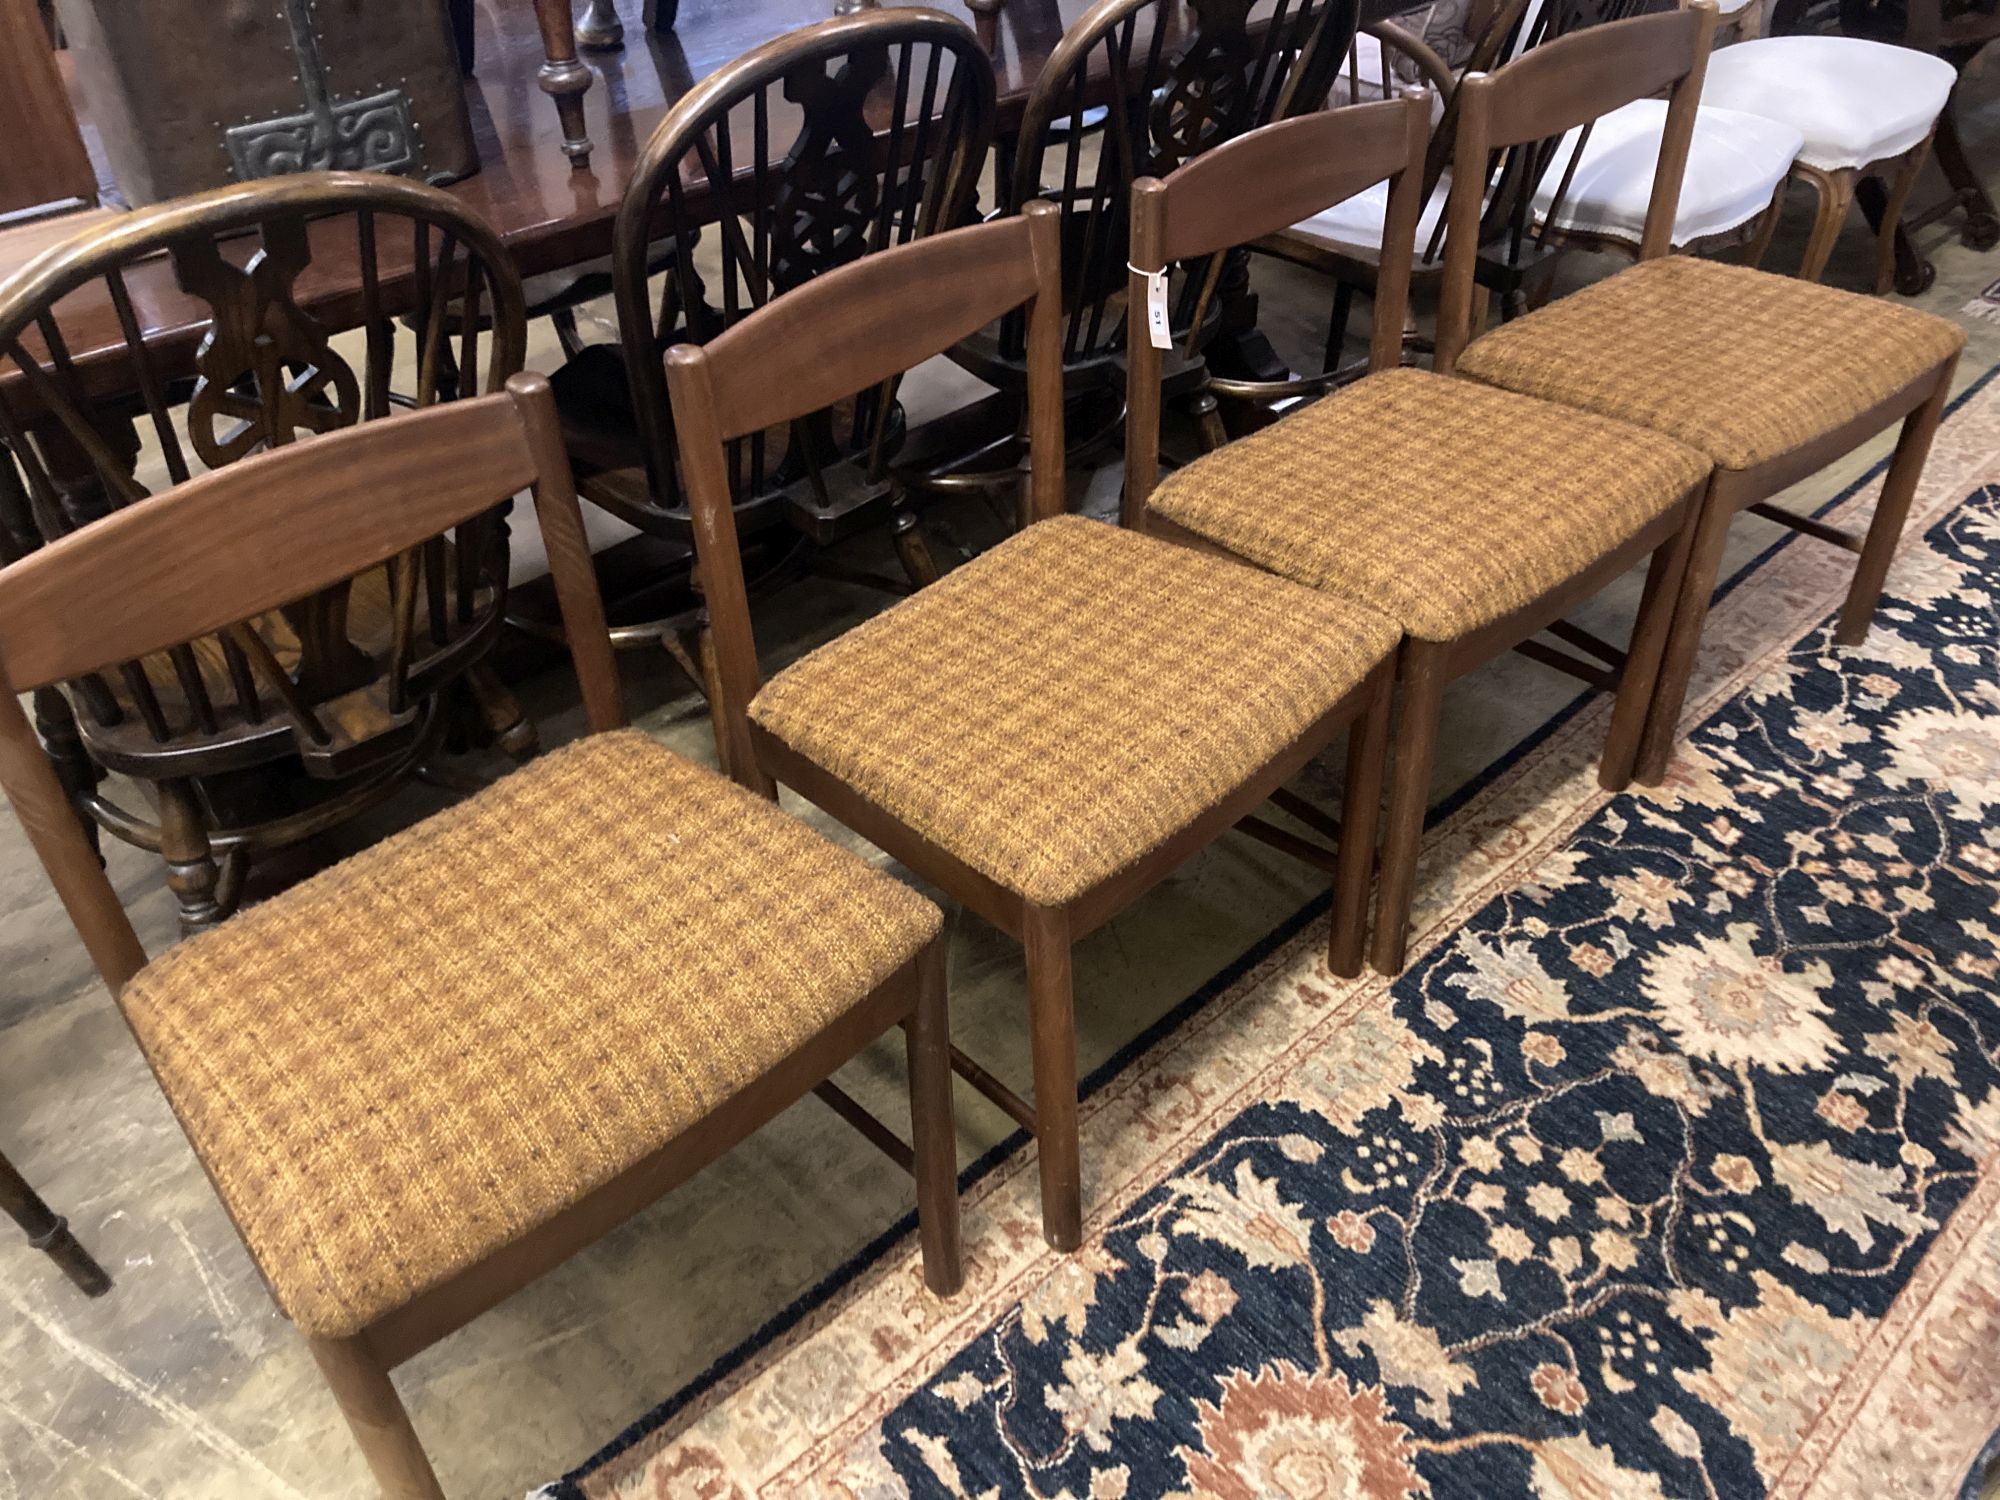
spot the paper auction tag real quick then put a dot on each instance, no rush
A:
(1156, 310)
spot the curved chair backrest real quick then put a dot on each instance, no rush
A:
(222, 309)
(1153, 84)
(1514, 29)
(849, 331)
(1252, 186)
(826, 144)
(1533, 102)
(291, 522)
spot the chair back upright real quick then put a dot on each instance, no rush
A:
(824, 145)
(848, 331)
(242, 287)
(1252, 186)
(1151, 84)
(1506, 32)
(251, 538)
(1532, 103)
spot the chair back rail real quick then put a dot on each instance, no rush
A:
(1532, 102)
(824, 145)
(300, 519)
(1250, 187)
(870, 320)
(1510, 30)
(265, 372)
(1171, 79)
(1300, 166)
(1576, 78)
(852, 329)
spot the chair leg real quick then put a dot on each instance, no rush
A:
(1650, 630)
(564, 77)
(912, 551)
(1836, 196)
(933, 1131)
(1767, 228)
(1900, 187)
(568, 335)
(1982, 224)
(1360, 818)
(49, 1232)
(1684, 635)
(1336, 328)
(1899, 488)
(1208, 419)
(1423, 674)
(1052, 1027)
(502, 714)
(376, 1416)
(192, 873)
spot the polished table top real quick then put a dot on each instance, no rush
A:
(548, 214)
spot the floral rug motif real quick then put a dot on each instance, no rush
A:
(1608, 1197)
(1671, 1167)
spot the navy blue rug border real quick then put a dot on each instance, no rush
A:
(782, 1322)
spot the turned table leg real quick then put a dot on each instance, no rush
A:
(564, 77)
(49, 1232)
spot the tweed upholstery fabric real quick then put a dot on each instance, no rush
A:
(1062, 705)
(1742, 364)
(406, 1062)
(1443, 504)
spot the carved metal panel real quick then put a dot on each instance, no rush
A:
(371, 134)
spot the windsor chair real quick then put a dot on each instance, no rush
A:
(834, 142)
(49, 1232)
(272, 730)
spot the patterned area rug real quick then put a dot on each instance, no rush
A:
(1670, 1169)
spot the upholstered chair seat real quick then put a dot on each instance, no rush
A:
(405, 1063)
(1354, 226)
(1856, 102)
(1736, 162)
(1741, 365)
(1059, 707)
(1443, 505)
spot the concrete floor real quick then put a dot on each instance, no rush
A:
(185, 1383)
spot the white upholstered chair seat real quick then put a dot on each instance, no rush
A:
(1354, 225)
(1735, 164)
(1854, 101)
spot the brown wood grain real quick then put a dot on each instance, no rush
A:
(43, 163)
(229, 545)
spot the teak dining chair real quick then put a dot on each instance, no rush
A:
(1048, 731)
(1772, 378)
(437, 1070)
(1473, 522)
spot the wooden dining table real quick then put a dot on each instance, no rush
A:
(549, 214)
